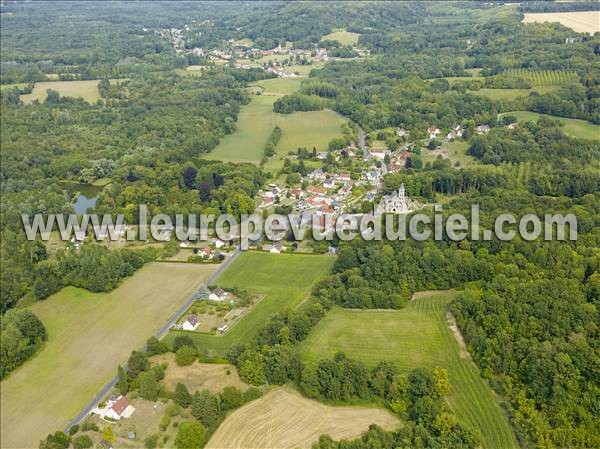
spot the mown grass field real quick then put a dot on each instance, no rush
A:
(342, 36)
(416, 336)
(255, 122)
(283, 419)
(87, 89)
(580, 21)
(89, 334)
(572, 127)
(284, 279)
(308, 129)
(254, 125)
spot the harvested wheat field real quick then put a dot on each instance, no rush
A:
(582, 21)
(198, 376)
(283, 419)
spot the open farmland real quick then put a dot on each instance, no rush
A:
(582, 21)
(283, 419)
(416, 336)
(572, 127)
(89, 334)
(284, 279)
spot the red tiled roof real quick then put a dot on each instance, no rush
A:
(120, 406)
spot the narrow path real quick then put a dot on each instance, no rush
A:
(161, 332)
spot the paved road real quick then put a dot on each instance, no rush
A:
(162, 331)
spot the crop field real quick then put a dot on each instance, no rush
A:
(582, 21)
(573, 127)
(284, 279)
(89, 334)
(283, 419)
(416, 336)
(343, 37)
(87, 89)
(308, 129)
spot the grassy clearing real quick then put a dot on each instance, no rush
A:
(88, 90)
(343, 37)
(581, 21)
(456, 151)
(415, 336)
(576, 128)
(279, 86)
(308, 129)
(89, 335)
(10, 86)
(512, 94)
(284, 279)
(198, 376)
(284, 419)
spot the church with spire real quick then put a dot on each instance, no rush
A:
(396, 203)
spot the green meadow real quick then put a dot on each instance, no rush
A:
(284, 280)
(256, 120)
(343, 37)
(416, 336)
(573, 127)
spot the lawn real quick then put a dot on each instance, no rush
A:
(416, 336)
(511, 94)
(89, 335)
(284, 279)
(572, 127)
(284, 419)
(308, 129)
(581, 21)
(343, 37)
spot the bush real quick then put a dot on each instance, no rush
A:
(186, 355)
(74, 429)
(82, 442)
(151, 442)
(182, 340)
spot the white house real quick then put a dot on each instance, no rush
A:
(222, 328)
(218, 294)
(433, 132)
(401, 132)
(191, 323)
(116, 407)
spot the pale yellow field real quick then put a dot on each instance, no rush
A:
(582, 21)
(88, 90)
(199, 376)
(283, 419)
(89, 334)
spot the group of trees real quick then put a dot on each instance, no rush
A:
(22, 334)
